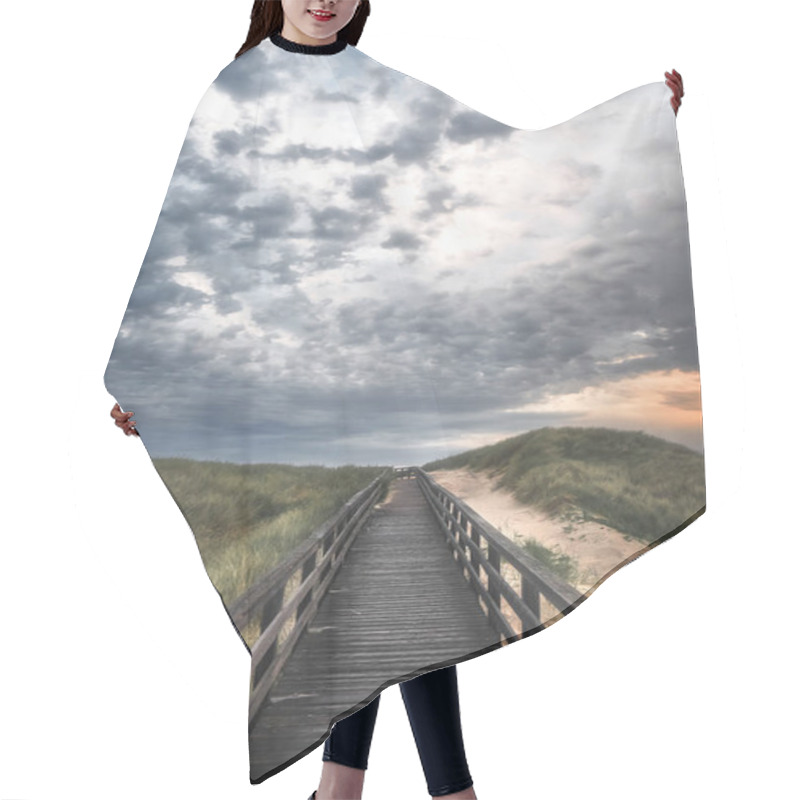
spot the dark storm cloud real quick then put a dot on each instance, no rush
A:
(322, 95)
(227, 305)
(351, 155)
(282, 272)
(231, 332)
(593, 250)
(688, 401)
(156, 294)
(381, 84)
(445, 200)
(328, 254)
(271, 218)
(231, 142)
(249, 76)
(470, 125)
(294, 152)
(206, 189)
(370, 188)
(402, 240)
(165, 243)
(290, 310)
(373, 153)
(552, 325)
(302, 363)
(205, 235)
(678, 348)
(417, 140)
(151, 355)
(439, 201)
(332, 222)
(414, 144)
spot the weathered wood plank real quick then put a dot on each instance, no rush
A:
(397, 607)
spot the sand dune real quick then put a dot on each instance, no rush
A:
(596, 548)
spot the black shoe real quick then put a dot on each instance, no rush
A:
(313, 795)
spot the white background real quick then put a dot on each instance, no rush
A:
(120, 674)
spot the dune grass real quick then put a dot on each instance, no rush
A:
(642, 485)
(247, 517)
(563, 565)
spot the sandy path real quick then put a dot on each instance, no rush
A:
(596, 548)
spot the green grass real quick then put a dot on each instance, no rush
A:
(247, 517)
(640, 484)
(565, 567)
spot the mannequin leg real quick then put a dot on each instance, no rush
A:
(434, 713)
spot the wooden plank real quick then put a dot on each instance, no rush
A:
(397, 607)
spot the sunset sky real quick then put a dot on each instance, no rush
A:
(353, 267)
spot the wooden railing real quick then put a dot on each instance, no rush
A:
(287, 598)
(468, 535)
(317, 559)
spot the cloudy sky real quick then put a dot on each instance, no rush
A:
(352, 267)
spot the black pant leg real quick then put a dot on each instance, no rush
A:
(435, 716)
(351, 737)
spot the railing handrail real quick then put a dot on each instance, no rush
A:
(465, 530)
(267, 596)
(558, 591)
(243, 607)
(536, 579)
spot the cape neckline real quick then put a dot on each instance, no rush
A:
(310, 49)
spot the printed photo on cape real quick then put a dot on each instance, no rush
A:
(419, 381)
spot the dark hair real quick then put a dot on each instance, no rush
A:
(266, 18)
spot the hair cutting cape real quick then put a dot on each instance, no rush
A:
(419, 381)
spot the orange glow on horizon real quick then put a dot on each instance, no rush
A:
(664, 400)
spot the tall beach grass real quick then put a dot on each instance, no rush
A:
(247, 517)
(642, 485)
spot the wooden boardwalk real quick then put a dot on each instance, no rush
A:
(397, 605)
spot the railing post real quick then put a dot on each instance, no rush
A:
(324, 547)
(268, 613)
(537, 581)
(476, 538)
(494, 561)
(308, 567)
(531, 596)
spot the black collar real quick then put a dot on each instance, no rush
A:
(310, 49)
